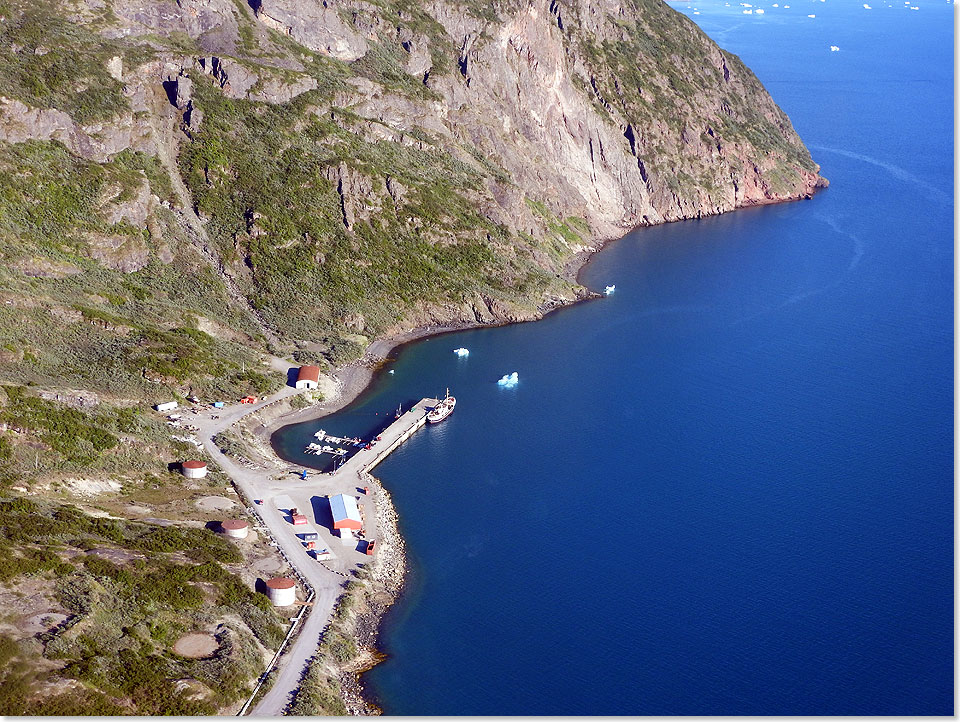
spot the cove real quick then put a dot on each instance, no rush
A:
(727, 488)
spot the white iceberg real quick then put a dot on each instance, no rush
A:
(834, 48)
(461, 352)
(609, 289)
(759, 11)
(390, 371)
(509, 380)
(867, 7)
(811, 16)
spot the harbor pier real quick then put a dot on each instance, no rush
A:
(389, 439)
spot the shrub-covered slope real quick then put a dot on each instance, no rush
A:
(217, 176)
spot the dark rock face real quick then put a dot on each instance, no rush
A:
(564, 123)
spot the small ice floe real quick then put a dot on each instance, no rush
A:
(461, 352)
(390, 371)
(834, 48)
(609, 289)
(867, 7)
(748, 12)
(914, 7)
(759, 11)
(509, 380)
(776, 5)
(811, 16)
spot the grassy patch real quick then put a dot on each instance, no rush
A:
(53, 62)
(125, 617)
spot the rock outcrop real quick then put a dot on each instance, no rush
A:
(402, 163)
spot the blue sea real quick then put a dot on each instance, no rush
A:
(726, 488)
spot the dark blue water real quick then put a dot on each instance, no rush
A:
(728, 487)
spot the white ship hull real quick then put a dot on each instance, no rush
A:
(442, 410)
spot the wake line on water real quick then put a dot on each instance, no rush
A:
(894, 170)
(859, 249)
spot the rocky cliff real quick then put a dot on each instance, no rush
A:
(187, 186)
(204, 179)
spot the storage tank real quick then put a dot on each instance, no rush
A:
(281, 591)
(235, 528)
(194, 469)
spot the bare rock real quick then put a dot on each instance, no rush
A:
(357, 199)
(418, 62)
(115, 68)
(184, 91)
(118, 252)
(134, 210)
(317, 25)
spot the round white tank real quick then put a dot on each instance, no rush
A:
(235, 528)
(282, 592)
(194, 469)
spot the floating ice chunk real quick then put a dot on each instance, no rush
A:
(509, 380)
(834, 48)
(776, 5)
(867, 7)
(609, 289)
(390, 371)
(914, 7)
(461, 352)
(748, 12)
(811, 16)
(759, 11)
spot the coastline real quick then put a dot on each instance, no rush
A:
(378, 590)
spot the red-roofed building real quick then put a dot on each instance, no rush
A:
(308, 377)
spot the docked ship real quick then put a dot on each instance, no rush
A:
(442, 410)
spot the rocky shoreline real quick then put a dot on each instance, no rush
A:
(382, 588)
(362, 608)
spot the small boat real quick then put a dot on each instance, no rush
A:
(442, 410)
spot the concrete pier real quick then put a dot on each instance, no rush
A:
(391, 437)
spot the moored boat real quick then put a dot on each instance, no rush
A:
(442, 410)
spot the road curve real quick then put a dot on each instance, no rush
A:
(327, 585)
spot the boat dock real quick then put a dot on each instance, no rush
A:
(389, 439)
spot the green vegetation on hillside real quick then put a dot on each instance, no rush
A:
(84, 321)
(267, 176)
(652, 73)
(51, 61)
(123, 618)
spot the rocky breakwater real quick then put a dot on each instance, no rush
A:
(380, 590)
(348, 646)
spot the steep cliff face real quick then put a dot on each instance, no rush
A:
(346, 169)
